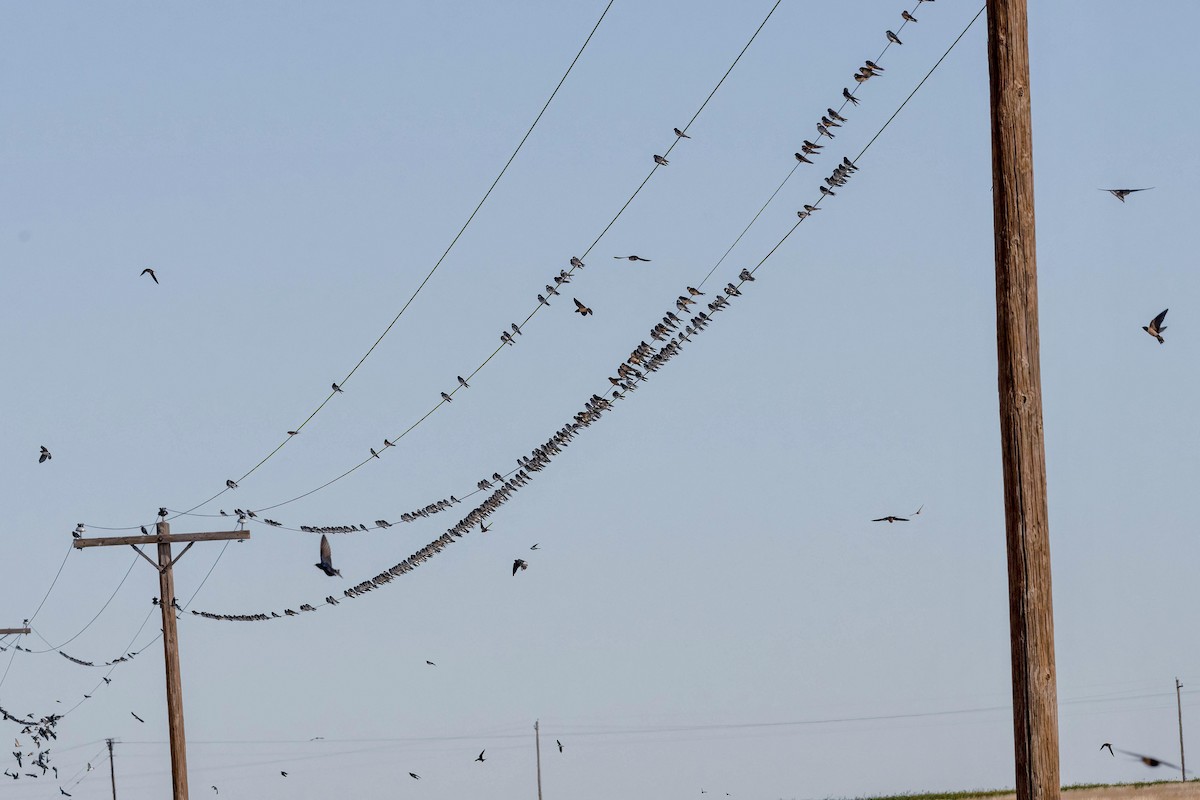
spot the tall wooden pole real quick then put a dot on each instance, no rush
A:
(537, 743)
(1179, 709)
(112, 770)
(166, 600)
(1035, 710)
(166, 588)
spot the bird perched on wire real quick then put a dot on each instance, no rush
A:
(326, 562)
(1121, 194)
(581, 309)
(447, 398)
(893, 38)
(519, 564)
(835, 115)
(745, 275)
(907, 16)
(681, 134)
(1156, 327)
(150, 272)
(694, 292)
(576, 262)
(800, 157)
(849, 97)
(231, 484)
(890, 518)
(821, 129)
(335, 388)
(44, 456)
(630, 258)
(662, 162)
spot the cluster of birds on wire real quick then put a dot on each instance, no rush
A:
(672, 331)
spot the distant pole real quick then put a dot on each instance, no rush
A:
(112, 770)
(1179, 708)
(1035, 711)
(18, 631)
(166, 600)
(537, 743)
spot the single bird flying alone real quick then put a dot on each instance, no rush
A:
(630, 258)
(557, 742)
(480, 756)
(139, 719)
(519, 564)
(326, 562)
(890, 518)
(1110, 750)
(1156, 327)
(150, 272)
(1121, 194)
(44, 456)
(414, 776)
(581, 309)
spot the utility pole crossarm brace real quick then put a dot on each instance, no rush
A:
(210, 536)
(7, 631)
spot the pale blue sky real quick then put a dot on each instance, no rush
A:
(707, 560)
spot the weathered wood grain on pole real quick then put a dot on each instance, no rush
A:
(7, 631)
(1035, 710)
(166, 584)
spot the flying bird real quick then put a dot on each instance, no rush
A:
(918, 511)
(63, 792)
(414, 776)
(557, 742)
(430, 663)
(890, 518)
(45, 455)
(480, 756)
(893, 38)
(519, 564)
(326, 562)
(662, 162)
(1110, 750)
(284, 774)
(1156, 327)
(1150, 761)
(535, 546)
(630, 258)
(215, 789)
(483, 528)
(681, 134)
(139, 719)
(581, 309)
(1121, 194)
(150, 272)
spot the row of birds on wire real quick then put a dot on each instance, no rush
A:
(832, 119)
(645, 359)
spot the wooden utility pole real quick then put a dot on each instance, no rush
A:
(1179, 709)
(166, 601)
(1035, 710)
(112, 770)
(537, 744)
(7, 631)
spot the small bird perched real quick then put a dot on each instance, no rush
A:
(519, 564)
(581, 309)
(893, 38)
(890, 518)
(821, 129)
(463, 383)
(849, 97)
(694, 292)
(835, 115)
(336, 388)
(1156, 327)
(829, 123)
(293, 433)
(681, 134)
(447, 398)
(150, 272)
(1121, 194)
(387, 443)
(745, 275)
(326, 562)
(45, 455)
(812, 145)
(374, 454)
(516, 329)
(231, 484)
(576, 262)
(147, 533)
(480, 756)
(871, 65)
(662, 162)
(826, 191)
(908, 17)
(78, 532)
(800, 157)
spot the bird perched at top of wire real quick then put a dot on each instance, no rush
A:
(326, 562)
(231, 484)
(150, 272)
(44, 455)
(1121, 194)
(1156, 327)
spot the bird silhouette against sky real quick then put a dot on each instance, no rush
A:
(326, 562)
(1156, 327)
(45, 456)
(150, 272)
(1121, 194)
